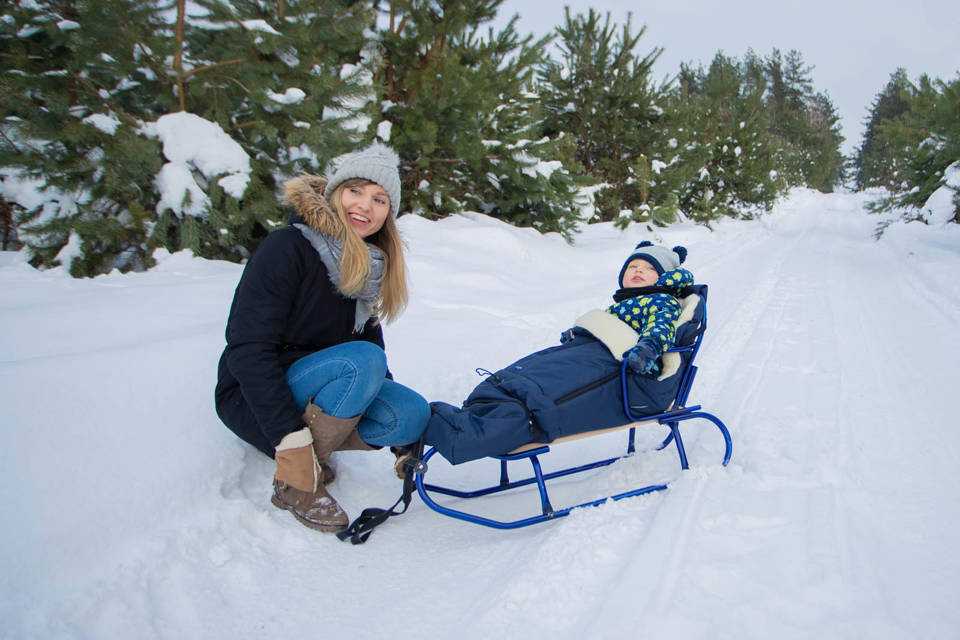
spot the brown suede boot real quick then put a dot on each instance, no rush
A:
(403, 455)
(328, 434)
(355, 443)
(297, 485)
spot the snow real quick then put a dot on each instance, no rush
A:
(72, 250)
(106, 123)
(129, 510)
(67, 25)
(534, 167)
(235, 184)
(260, 25)
(179, 192)
(303, 152)
(292, 95)
(939, 207)
(191, 141)
(28, 31)
(33, 194)
(195, 18)
(15, 186)
(384, 129)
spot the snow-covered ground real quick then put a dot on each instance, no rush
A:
(129, 511)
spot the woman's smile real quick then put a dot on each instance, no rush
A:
(367, 207)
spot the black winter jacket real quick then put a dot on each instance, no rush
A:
(284, 308)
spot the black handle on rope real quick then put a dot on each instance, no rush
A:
(369, 519)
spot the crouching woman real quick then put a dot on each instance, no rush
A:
(304, 371)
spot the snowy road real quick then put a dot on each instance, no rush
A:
(129, 511)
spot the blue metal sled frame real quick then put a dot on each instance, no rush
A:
(670, 419)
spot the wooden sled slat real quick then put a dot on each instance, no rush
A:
(582, 435)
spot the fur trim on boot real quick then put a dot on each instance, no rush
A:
(297, 485)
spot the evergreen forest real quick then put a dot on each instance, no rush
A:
(97, 97)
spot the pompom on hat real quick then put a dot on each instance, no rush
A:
(377, 163)
(660, 258)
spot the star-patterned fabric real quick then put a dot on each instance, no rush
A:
(652, 315)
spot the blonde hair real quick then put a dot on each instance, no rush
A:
(355, 262)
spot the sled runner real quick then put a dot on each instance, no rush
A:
(680, 358)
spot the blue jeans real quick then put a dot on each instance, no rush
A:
(349, 379)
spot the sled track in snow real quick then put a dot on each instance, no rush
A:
(919, 286)
(740, 328)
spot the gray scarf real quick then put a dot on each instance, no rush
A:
(331, 250)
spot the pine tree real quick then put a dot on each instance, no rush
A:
(723, 160)
(80, 81)
(875, 164)
(925, 143)
(96, 84)
(286, 81)
(824, 169)
(458, 107)
(599, 93)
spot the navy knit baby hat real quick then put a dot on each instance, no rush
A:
(659, 257)
(377, 163)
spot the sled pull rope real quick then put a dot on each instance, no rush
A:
(369, 519)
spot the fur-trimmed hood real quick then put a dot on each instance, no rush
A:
(305, 194)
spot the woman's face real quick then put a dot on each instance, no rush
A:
(366, 206)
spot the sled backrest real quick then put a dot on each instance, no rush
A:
(679, 360)
(689, 337)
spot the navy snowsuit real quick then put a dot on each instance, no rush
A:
(561, 390)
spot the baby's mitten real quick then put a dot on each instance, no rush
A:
(643, 358)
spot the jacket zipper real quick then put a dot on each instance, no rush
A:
(567, 397)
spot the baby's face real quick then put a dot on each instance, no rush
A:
(639, 273)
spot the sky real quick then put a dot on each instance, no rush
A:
(853, 46)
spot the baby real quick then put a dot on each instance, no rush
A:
(577, 386)
(650, 281)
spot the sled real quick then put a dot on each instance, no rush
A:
(690, 336)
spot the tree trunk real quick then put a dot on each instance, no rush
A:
(6, 225)
(178, 56)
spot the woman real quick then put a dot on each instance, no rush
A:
(304, 372)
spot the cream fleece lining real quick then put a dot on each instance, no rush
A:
(613, 332)
(671, 361)
(295, 440)
(619, 337)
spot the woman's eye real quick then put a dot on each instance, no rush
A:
(380, 200)
(355, 190)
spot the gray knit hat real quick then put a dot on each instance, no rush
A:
(377, 163)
